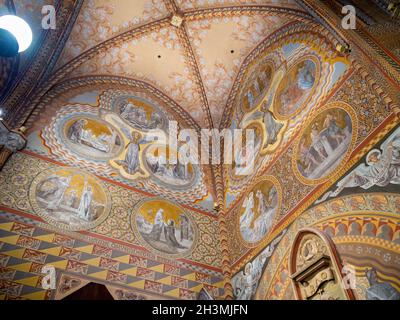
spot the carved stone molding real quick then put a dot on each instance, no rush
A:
(315, 268)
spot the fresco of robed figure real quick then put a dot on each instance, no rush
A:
(256, 87)
(258, 211)
(68, 198)
(324, 143)
(173, 174)
(295, 88)
(164, 227)
(140, 114)
(92, 138)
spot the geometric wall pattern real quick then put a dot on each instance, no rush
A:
(26, 248)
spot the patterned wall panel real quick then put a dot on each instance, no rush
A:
(109, 252)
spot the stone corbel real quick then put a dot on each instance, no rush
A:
(11, 141)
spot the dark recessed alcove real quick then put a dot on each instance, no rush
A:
(92, 291)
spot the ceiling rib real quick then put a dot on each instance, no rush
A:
(62, 72)
(171, 6)
(192, 61)
(161, 23)
(183, 35)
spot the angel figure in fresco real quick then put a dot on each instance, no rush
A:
(246, 282)
(381, 169)
(131, 163)
(272, 127)
(380, 290)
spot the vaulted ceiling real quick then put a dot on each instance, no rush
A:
(190, 50)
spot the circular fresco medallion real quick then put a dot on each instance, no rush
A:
(258, 210)
(91, 137)
(139, 113)
(164, 227)
(325, 144)
(296, 88)
(256, 87)
(70, 199)
(175, 175)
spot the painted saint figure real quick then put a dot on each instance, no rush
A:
(324, 144)
(168, 229)
(332, 129)
(297, 85)
(380, 290)
(248, 215)
(250, 98)
(306, 75)
(266, 209)
(383, 169)
(57, 197)
(75, 132)
(318, 143)
(131, 163)
(86, 202)
(307, 157)
(272, 127)
(138, 117)
(170, 237)
(158, 226)
(256, 222)
(184, 227)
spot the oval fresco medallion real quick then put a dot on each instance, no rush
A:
(256, 86)
(177, 176)
(164, 227)
(70, 199)
(258, 210)
(91, 137)
(296, 88)
(139, 113)
(325, 144)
